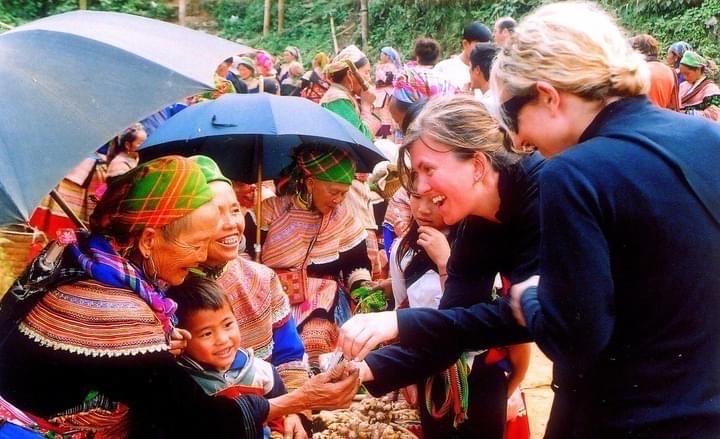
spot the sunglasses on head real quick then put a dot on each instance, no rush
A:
(511, 108)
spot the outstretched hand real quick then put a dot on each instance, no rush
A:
(334, 389)
(363, 332)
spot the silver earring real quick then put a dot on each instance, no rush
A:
(151, 275)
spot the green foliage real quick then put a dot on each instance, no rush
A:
(20, 11)
(307, 23)
(698, 25)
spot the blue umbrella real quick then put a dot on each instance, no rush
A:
(71, 82)
(247, 132)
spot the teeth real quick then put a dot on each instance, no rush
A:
(438, 199)
(229, 240)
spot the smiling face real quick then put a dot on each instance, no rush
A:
(215, 337)
(425, 212)
(326, 196)
(224, 246)
(174, 257)
(444, 179)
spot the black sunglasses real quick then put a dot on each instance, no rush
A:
(511, 108)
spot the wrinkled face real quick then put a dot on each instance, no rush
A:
(425, 211)
(326, 196)
(215, 337)
(224, 246)
(690, 74)
(140, 137)
(173, 258)
(244, 72)
(443, 179)
(245, 193)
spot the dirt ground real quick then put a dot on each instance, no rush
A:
(538, 395)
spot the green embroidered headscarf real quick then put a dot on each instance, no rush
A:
(322, 162)
(153, 194)
(210, 169)
(335, 166)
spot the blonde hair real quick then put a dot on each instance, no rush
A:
(574, 46)
(464, 126)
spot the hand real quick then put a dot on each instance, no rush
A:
(435, 244)
(363, 332)
(294, 428)
(367, 98)
(332, 390)
(516, 292)
(410, 393)
(385, 285)
(178, 341)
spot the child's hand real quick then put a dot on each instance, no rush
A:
(294, 428)
(435, 244)
(178, 341)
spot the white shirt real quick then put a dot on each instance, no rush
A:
(455, 71)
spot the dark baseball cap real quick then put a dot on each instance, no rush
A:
(477, 32)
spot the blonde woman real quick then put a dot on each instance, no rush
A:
(629, 209)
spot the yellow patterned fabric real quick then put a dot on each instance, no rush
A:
(93, 319)
(291, 228)
(260, 305)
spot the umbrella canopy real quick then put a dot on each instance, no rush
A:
(71, 82)
(244, 131)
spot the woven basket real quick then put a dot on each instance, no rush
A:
(16, 243)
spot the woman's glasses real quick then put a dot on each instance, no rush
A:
(511, 108)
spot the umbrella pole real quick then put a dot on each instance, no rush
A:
(258, 210)
(69, 212)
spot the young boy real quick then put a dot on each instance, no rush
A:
(213, 356)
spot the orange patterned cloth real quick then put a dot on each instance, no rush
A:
(291, 229)
(93, 319)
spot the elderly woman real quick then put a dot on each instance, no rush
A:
(256, 295)
(92, 353)
(311, 232)
(349, 76)
(699, 96)
(290, 55)
(619, 199)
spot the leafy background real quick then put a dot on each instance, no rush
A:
(393, 22)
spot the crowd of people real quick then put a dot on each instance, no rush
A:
(553, 182)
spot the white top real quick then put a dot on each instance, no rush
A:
(455, 71)
(425, 292)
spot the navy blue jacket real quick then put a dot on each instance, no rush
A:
(629, 299)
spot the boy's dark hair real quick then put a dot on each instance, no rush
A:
(482, 56)
(427, 51)
(197, 293)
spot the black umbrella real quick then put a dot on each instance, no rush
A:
(251, 136)
(71, 82)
